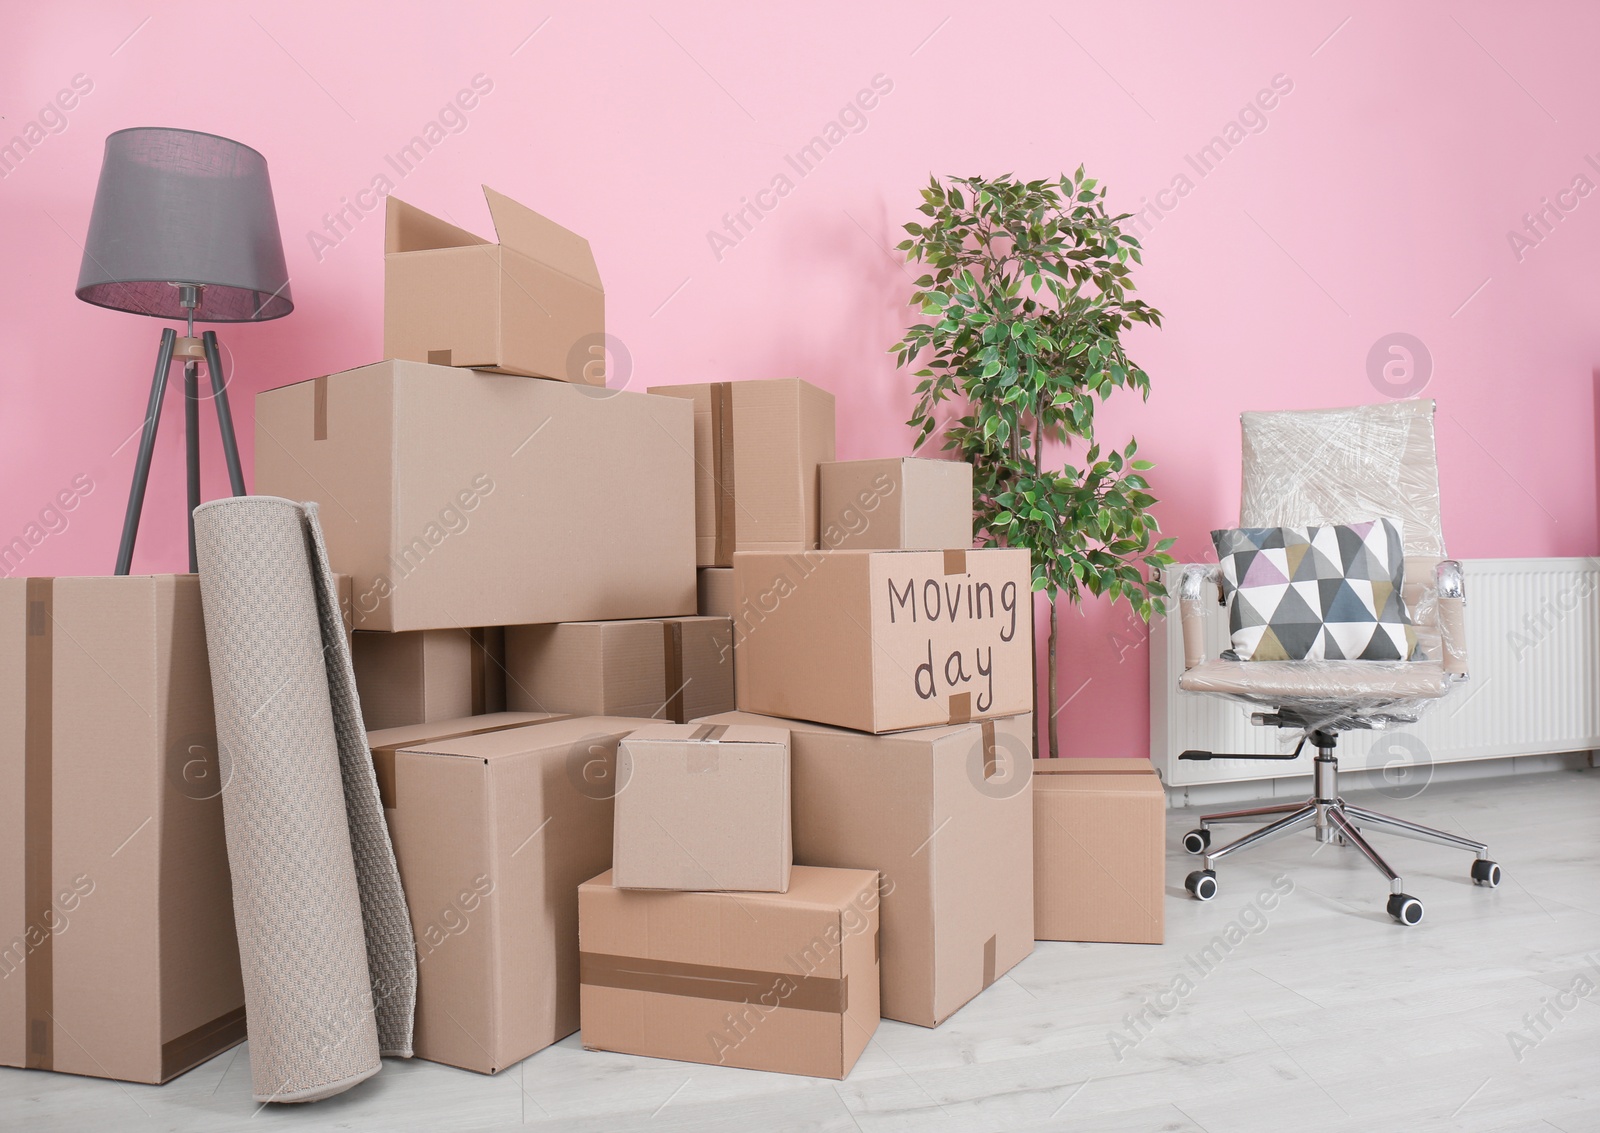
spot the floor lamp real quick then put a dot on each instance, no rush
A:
(184, 227)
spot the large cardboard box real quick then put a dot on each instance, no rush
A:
(496, 821)
(429, 674)
(764, 981)
(664, 668)
(703, 806)
(884, 640)
(900, 504)
(531, 304)
(1099, 864)
(716, 591)
(117, 950)
(946, 816)
(456, 498)
(756, 450)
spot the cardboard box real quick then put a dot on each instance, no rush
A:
(429, 674)
(900, 504)
(666, 668)
(765, 981)
(496, 821)
(456, 498)
(531, 304)
(756, 450)
(946, 816)
(884, 640)
(716, 592)
(1099, 859)
(703, 806)
(117, 950)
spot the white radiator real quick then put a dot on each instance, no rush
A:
(1533, 648)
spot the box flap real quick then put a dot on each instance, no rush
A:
(406, 228)
(542, 239)
(1134, 766)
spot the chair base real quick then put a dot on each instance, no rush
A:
(1333, 820)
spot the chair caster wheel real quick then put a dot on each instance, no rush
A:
(1197, 841)
(1486, 873)
(1202, 883)
(1405, 908)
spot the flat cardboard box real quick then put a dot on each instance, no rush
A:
(880, 641)
(703, 806)
(531, 304)
(946, 816)
(496, 821)
(900, 504)
(456, 498)
(662, 668)
(117, 950)
(1099, 859)
(756, 450)
(765, 981)
(716, 592)
(429, 674)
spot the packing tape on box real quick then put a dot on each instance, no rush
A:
(706, 981)
(988, 961)
(672, 650)
(991, 755)
(38, 820)
(722, 482)
(383, 755)
(961, 708)
(955, 562)
(319, 409)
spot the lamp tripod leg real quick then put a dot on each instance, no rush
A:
(191, 445)
(219, 395)
(147, 444)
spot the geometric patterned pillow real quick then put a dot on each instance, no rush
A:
(1316, 593)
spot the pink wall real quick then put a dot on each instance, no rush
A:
(1376, 198)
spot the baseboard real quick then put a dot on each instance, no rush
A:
(1299, 786)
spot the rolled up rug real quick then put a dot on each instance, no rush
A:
(325, 942)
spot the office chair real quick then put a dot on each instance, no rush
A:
(1337, 466)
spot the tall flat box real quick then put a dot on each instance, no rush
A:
(429, 674)
(664, 668)
(496, 821)
(900, 504)
(764, 981)
(880, 641)
(946, 816)
(756, 450)
(117, 950)
(703, 806)
(456, 498)
(716, 591)
(1099, 862)
(531, 304)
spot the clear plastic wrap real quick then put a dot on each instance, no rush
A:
(1328, 466)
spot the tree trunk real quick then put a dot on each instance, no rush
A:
(1033, 612)
(1055, 737)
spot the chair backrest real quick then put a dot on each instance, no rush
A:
(1320, 466)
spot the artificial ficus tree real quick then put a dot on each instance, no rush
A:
(1026, 294)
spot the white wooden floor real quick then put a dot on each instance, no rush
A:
(1326, 1016)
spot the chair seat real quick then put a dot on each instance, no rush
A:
(1346, 682)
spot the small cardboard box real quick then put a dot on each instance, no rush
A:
(880, 641)
(900, 504)
(756, 450)
(946, 816)
(765, 981)
(496, 821)
(716, 592)
(703, 806)
(456, 498)
(117, 950)
(1099, 859)
(530, 305)
(662, 668)
(428, 674)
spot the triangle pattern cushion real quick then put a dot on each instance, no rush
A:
(1324, 592)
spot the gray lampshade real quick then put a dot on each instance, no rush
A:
(179, 206)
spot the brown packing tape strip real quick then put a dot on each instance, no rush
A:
(208, 1039)
(37, 822)
(988, 962)
(480, 679)
(319, 409)
(955, 562)
(961, 708)
(707, 981)
(991, 757)
(722, 480)
(439, 358)
(710, 732)
(383, 755)
(672, 649)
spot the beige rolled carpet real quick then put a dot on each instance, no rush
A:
(325, 941)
